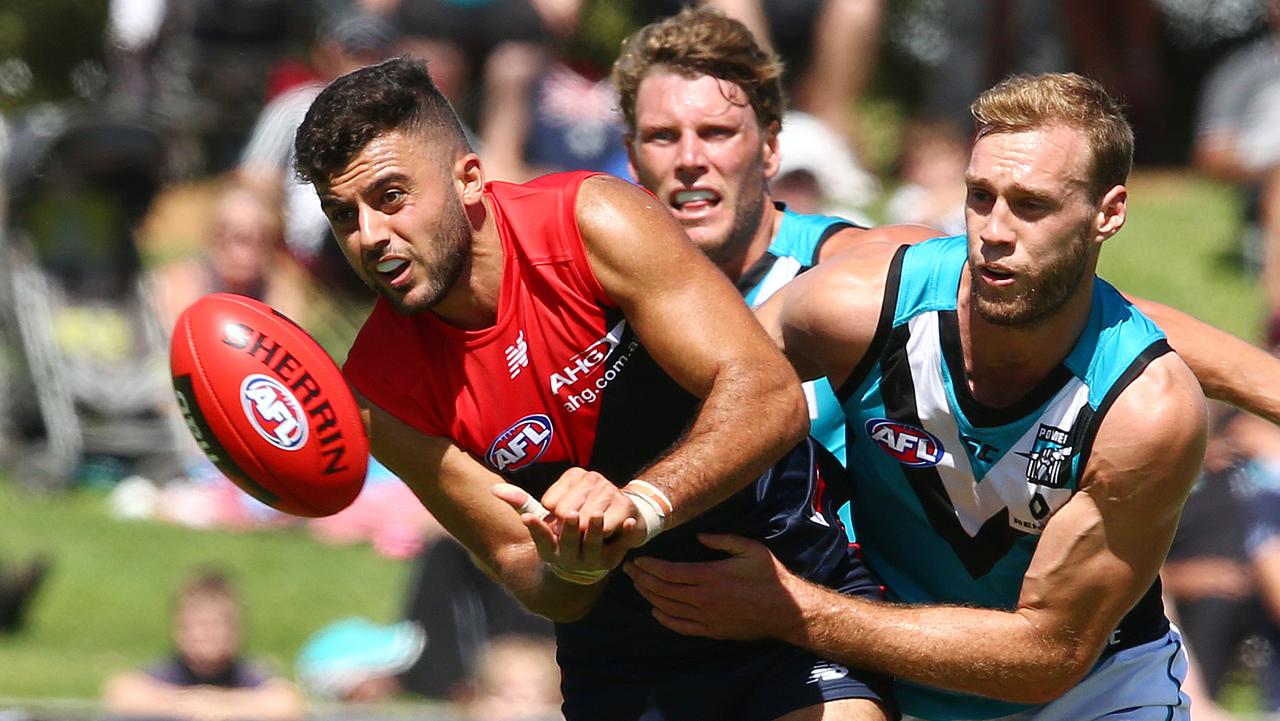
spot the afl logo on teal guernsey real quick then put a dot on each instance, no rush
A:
(521, 444)
(912, 447)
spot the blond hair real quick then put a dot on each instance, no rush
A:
(701, 41)
(1028, 102)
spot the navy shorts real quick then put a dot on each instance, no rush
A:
(767, 685)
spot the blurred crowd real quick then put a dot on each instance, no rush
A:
(170, 177)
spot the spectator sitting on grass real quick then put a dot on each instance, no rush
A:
(206, 678)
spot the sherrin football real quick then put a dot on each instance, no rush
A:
(268, 406)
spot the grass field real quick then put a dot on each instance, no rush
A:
(1180, 247)
(105, 605)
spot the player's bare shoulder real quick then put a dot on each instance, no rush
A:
(1152, 439)
(826, 319)
(606, 203)
(626, 231)
(848, 238)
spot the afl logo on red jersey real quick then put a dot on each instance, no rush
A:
(274, 412)
(912, 447)
(521, 444)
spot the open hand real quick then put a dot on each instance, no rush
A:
(744, 597)
(581, 526)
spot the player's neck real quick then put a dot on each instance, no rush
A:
(1004, 363)
(770, 219)
(472, 303)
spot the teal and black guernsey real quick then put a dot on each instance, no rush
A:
(793, 250)
(950, 495)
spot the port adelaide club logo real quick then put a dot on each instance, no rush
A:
(1049, 461)
(521, 444)
(911, 446)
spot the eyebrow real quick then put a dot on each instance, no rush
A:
(328, 201)
(970, 180)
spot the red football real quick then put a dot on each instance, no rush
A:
(268, 405)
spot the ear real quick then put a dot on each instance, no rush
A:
(1112, 212)
(468, 174)
(770, 152)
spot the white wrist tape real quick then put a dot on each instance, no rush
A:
(531, 505)
(581, 578)
(652, 504)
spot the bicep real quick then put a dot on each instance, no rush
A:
(684, 310)
(1102, 550)
(826, 320)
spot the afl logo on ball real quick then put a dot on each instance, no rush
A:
(274, 412)
(910, 446)
(521, 444)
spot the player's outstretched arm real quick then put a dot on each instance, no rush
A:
(1229, 369)
(1096, 557)
(698, 329)
(458, 490)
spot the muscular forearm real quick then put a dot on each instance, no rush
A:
(513, 563)
(523, 573)
(744, 426)
(998, 654)
(1228, 368)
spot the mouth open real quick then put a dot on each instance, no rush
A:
(393, 271)
(693, 199)
(997, 276)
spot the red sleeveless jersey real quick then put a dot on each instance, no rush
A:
(560, 380)
(532, 388)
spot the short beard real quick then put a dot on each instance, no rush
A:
(453, 238)
(1043, 295)
(747, 218)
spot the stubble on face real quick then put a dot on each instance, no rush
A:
(747, 217)
(1038, 295)
(1032, 185)
(727, 160)
(442, 263)
(418, 217)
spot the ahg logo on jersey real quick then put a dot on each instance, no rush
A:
(908, 445)
(583, 378)
(521, 444)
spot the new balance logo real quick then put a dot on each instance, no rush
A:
(517, 356)
(826, 671)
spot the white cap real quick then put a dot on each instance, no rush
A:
(806, 143)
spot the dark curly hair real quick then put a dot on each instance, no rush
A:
(701, 41)
(362, 105)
